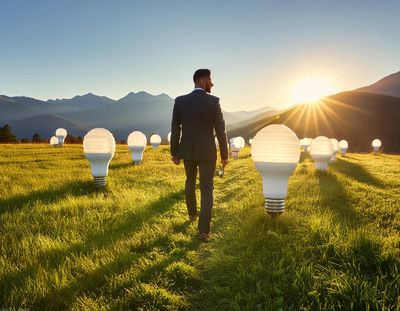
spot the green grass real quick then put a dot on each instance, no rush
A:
(65, 245)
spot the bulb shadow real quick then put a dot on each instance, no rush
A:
(347, 157)
(111, 233)
(304, 156)
(122, 165)
(357, 172)
(245, 156)
(334, 198)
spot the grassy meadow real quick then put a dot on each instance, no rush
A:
(66, 246)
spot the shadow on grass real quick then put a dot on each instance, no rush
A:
(76, 188)
(22, 162)
(334, 197)
(357, 172)
(122, 165)
(347, 157)
(95, 281)
(242, 157)
(53, 259)
(304, 156)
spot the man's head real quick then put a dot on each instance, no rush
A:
(202, 79)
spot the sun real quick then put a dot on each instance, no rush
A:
(312, 88)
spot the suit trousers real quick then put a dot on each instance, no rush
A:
(207, 171)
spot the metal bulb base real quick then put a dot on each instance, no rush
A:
(100, 182)
(274, 207)
(235, 155)
(136, 162)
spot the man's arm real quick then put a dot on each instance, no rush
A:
(175, 132)
(220, 132)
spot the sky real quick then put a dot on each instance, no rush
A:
(256, 50)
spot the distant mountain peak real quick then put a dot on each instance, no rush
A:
(143, 93)
(389, 85)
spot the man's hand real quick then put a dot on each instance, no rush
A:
(224, 163)
(176, 160)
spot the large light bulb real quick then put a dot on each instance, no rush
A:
(155, 140)
(250, 141)
(275, 152)
(54, 141)
(376, 144)
(99, 148)
(335, 146)
(321, 151)
(137, 142)
(61, 134)
(305, 143)
(343, 146)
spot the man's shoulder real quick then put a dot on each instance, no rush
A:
(182, 98)
(213, 98)
(192, 95)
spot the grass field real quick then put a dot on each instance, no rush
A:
(65, 245)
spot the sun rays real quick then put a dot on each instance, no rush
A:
(310, 89)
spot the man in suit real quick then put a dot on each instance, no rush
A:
(195, 117)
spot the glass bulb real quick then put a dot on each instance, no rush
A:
(343, 146)
(54, 141)
(61, 134)
(155, 140)
(137, 142)
(99, 148)
(376, 144)
(321, 151)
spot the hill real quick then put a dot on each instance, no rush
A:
(255, 118)
(16, 108)
(236, 117)
(46, 125)
(389, 85)
(354, 116)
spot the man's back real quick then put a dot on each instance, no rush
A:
(198, 113)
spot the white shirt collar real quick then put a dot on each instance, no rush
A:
(198, 88)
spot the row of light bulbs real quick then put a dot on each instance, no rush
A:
(275, 152)
(274, 149)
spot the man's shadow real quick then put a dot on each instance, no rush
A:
(103, 238)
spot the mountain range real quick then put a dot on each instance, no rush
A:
(141, 111)
(357, 116)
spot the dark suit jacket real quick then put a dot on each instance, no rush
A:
(198, 114)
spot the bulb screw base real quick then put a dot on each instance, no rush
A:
(235, 155)
(274, 207)
(137, 162)
(100, 182)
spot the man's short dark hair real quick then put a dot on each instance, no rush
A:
(201, 73)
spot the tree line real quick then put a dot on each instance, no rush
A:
(8, 137)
